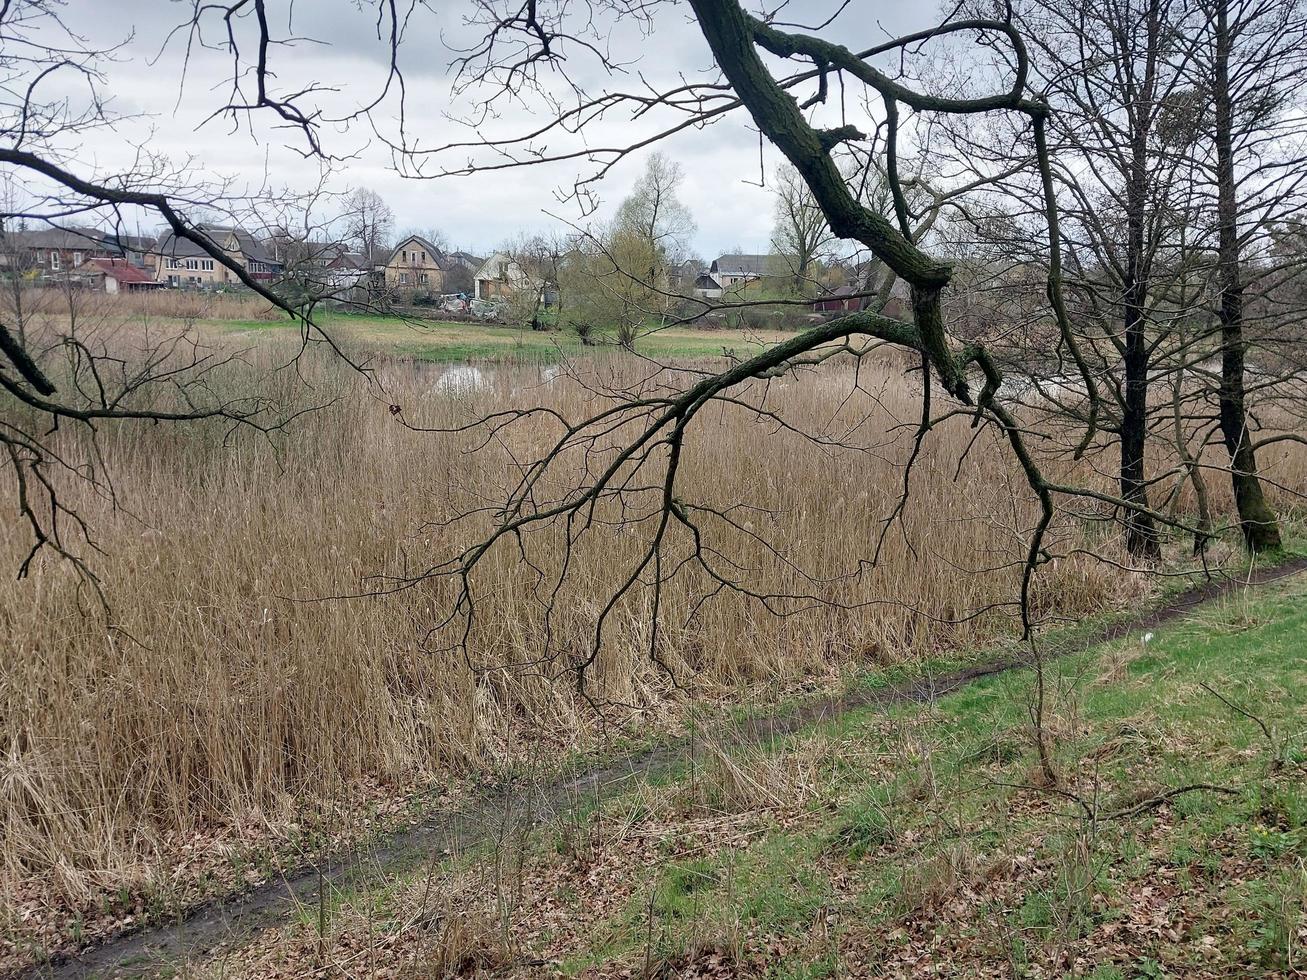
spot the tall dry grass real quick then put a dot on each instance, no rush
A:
(193, 305)
(165, 304)
(225, 684)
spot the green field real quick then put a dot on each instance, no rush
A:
(434, 340)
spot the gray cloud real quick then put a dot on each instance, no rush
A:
(721, 162)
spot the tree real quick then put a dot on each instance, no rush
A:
(801, 233)
(649, 237)
(1110, 73)
(643, 432)
(591, 305)
(368, 223)
(540, 258)
(623, 449)
(1251, 66)
(621, 278)
(653, 213)
(66, 374)
(459, 278)
(1168, 207)
(604, 294)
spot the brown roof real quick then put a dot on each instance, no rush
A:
(437, 256)
(119, 269)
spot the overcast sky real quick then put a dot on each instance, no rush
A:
(168, 108)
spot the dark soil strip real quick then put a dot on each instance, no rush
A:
(163, 947)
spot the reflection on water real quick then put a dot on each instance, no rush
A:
(463, 379)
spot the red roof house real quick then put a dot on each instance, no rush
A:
(115, 275)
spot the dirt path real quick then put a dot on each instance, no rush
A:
(162, 947)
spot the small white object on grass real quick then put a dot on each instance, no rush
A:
(1148, 638)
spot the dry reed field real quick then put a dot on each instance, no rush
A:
(225, 686)
(168, 304)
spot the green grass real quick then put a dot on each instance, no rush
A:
(915, 840)
(445, 342)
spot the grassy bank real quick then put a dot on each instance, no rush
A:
(437, 341)
(914, 841)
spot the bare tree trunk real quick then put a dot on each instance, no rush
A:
(1193, 467)
(1260, 529)
(1141, 536)
(1140, 531)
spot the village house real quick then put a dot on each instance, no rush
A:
(707, 287)
(500, 277)
(733, 269)
(138, 250)
(683, 275)
(415, 264)
(850, 297)
(53, 252)
(114, 276)
(346, 269)
(328, 268)
(182, 262)
(842, 299)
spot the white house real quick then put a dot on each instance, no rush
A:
(706, 287)
(732, 269)
(499, 277)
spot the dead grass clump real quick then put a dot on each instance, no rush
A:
(705, 958)
(742, 774)
(459, 944)
(927, 883)
(359, 939)
(1114, 665)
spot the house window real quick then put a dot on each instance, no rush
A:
(54, 260)
(424, 256)
(77, 258)
(422, 278)
(404, 255)
(207, 265)
(192, 264)
(403, 278)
